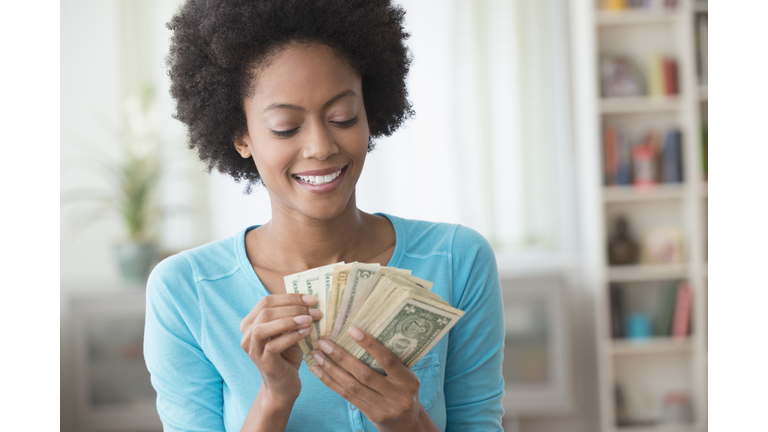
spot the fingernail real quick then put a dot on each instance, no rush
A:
(302, 319)
(326, 347)
(318, 358)
(308, 299)
(317, 371)
(356, 334)
(304, 331)
(315, 313)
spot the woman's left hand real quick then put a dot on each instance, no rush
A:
(391, 402)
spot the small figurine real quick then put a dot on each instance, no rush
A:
(622, 249)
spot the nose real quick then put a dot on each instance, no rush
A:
(319, 142)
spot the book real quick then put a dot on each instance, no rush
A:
(704, 149)
(610, 156)
(666, 312)
(624, 169)
(671, 160)
(617, 318)
(681, 323)
(670, 76)
(656, 75)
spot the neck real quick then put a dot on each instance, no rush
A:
(297, 241)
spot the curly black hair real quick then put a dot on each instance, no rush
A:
(218, 44)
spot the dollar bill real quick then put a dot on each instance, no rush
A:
(413, 330)
(338, 284)
(359, 274)
(309, 282)
(292, 287)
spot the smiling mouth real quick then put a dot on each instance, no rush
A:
(319, 180)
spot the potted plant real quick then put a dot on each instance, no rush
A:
(132, 190)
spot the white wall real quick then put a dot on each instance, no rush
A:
(90, 108)
(90, 113)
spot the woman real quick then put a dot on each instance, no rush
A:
(290, 94)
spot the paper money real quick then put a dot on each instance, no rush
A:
(338, 284)
(359, 273)
(292, 287)
(397, 308)
(311, 282)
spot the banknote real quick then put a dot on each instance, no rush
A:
(359, 274)
(391, 304)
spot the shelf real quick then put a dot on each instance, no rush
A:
(653, 193)
(646, 272)
(655, 345)
(628, 16)
(639, 104)
(658, 428)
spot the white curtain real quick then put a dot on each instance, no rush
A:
(490, 144)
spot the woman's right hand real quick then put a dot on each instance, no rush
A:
(270, 335)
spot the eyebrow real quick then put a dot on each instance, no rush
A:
(276, 106)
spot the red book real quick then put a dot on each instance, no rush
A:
(681, 324)
(611, 155)
(670, 76)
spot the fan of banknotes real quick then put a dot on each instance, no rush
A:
(394, 306)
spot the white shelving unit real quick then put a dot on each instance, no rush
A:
(646, 369)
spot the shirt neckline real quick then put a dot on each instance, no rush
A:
(245, 264)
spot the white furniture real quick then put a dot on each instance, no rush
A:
(537, 355)
(649, 370)
(112, 387)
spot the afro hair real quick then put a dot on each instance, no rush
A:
(217, 45)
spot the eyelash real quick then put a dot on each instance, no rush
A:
(343, 124)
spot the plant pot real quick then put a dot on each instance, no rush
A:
(135, 261)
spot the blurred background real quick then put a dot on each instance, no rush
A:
(571, 134)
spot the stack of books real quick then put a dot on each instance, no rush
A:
(651, 161)
(662, 75)
(672, 318)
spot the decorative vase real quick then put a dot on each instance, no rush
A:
(622, 248)
(135, 261)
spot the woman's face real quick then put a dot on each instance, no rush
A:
(307, 130)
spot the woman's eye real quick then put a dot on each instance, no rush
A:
(346, 123)
(286, 133)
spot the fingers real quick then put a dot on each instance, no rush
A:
(355, 377)
(258, 336)
(392, 365)
(276, 301)
(275, 313)
(285, 341)
(341, 382)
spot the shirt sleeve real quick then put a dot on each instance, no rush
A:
(189, 388)
(474, 385)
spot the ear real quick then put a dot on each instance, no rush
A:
(243, 146)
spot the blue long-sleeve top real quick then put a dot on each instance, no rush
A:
(206, 382)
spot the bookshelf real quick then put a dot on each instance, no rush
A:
(651, 365)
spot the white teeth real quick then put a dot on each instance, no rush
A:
(318, 180)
